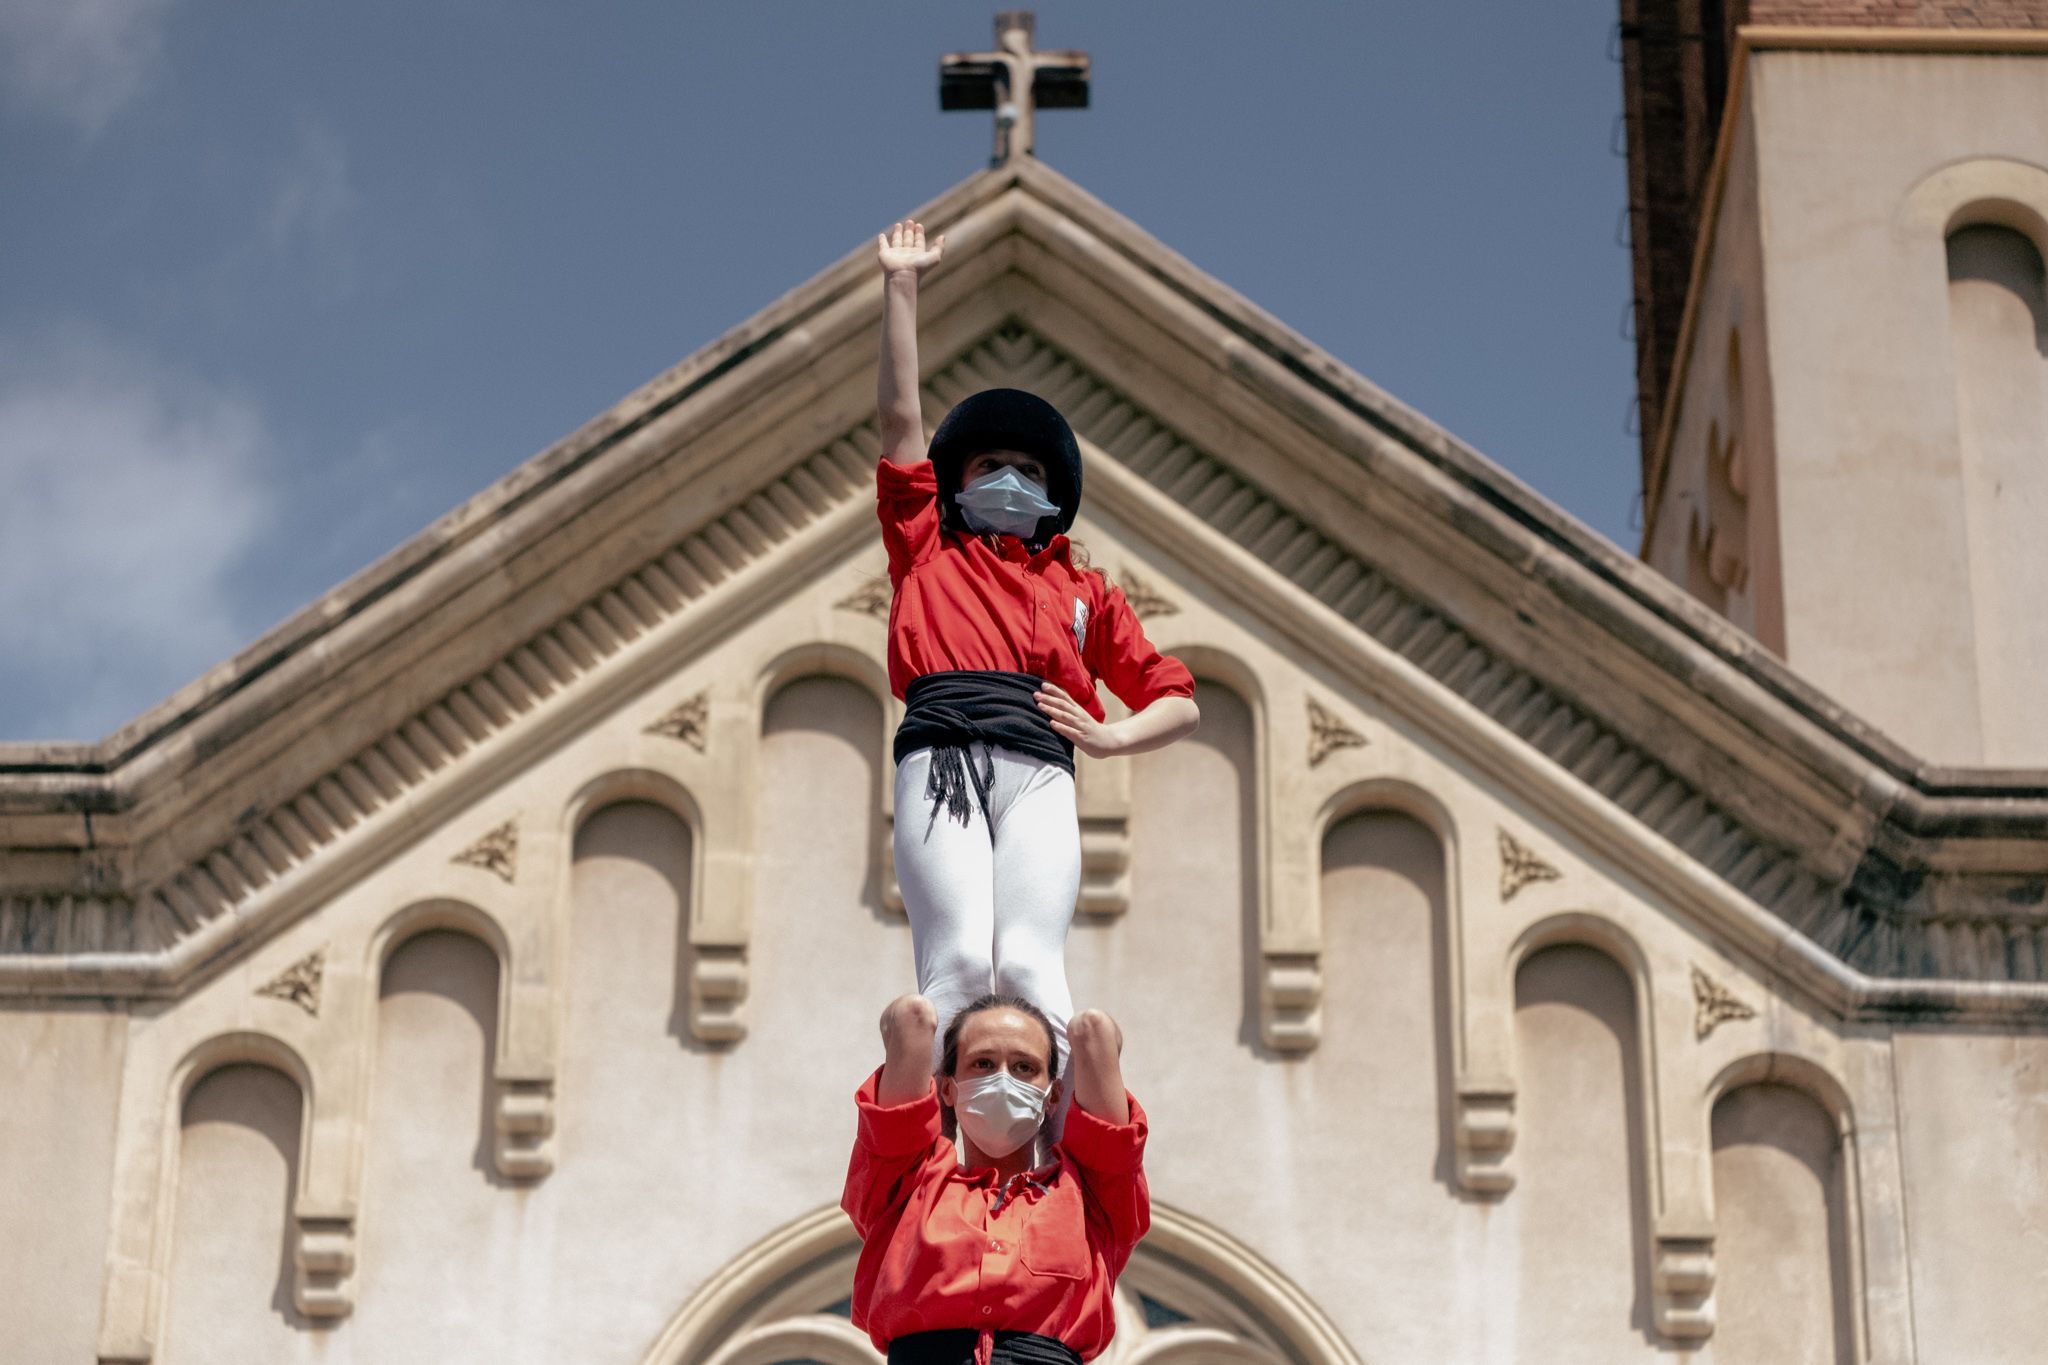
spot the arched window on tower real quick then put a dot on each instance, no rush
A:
(1998, 313)
(1998, 320)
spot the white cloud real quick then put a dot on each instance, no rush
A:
(80, 60)
(129, 493)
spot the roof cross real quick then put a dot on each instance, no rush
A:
(1015, 81)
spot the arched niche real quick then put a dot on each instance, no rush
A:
(228, 1277)
(1191, 1293)
(709, 864)
(420, 917)
(1197, 871)
(1388, 918)
(1820, 1085)
(223, 1055)
(619, 785)
(795, 695)
(1584, 1147)
(1783, 1252)
(440, 1026)
(822, 658)
(519, 1088)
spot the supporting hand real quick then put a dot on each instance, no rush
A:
(1091, 736)
(1155, 727)
(909, 1025)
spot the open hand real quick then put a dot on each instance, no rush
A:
(1089, 735)
(903, 248)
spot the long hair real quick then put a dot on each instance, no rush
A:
(949, 1062)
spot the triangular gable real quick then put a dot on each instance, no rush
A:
(1393, 553)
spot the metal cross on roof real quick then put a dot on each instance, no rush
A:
(1015, 81)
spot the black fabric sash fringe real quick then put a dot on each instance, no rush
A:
(958, 1348)
(950, 712)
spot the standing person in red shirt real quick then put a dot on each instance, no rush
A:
(997, 637)
(1004, 1251)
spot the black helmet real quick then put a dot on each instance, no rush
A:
(1009, 419)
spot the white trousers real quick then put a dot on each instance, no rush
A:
(990, 901)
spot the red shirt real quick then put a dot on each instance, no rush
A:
(944, 1248)
(960, 604)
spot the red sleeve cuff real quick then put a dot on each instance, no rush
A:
(1098, 1144)
(894, 480)
(896, 1130)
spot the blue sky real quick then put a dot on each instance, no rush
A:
(281, 283)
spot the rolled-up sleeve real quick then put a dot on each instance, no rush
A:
(1120, 655)
(907, 501)
(891, 1142)
(1111, 1160)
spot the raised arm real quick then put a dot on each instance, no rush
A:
(904, 258)
(908, 1027)
(899, 1118)
(1095, 1050)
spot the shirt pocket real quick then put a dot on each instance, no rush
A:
(1055, 1243)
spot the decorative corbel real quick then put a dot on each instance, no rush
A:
(1102, 800)
(1483, 1133)
(324, 1266)
(718, 992)
(1682, 1281)
(525, 1124)
(722, 909)
(1291, 996)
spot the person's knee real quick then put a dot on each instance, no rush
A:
(1093, 1028)
(910, 1011)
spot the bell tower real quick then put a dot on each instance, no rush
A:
(1838, 214)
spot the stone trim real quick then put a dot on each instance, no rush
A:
(1886, 921)
(1849, 38)
(274, 842)
(758, 1299)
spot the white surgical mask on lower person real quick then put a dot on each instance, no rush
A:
(1004, 502)
(999, 1113)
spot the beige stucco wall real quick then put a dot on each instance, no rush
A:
(1715, 402)
(60, 1079)
(1974, 1119)
(579, 971)
(1898, 594)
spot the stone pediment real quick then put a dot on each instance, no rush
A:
(1378, 547)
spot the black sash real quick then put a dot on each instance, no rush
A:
(957, 1348)
(951, 711)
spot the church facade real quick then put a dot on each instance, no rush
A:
(1530, 959)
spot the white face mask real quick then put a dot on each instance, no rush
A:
(999, 1113)
(1004, 502)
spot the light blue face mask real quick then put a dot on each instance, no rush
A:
(1004, 502)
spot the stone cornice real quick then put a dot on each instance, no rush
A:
(135, 864)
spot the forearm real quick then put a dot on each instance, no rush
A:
(1095, 1047)
(896, 387)
(1158, 725)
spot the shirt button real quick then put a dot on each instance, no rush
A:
(986, 1311)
